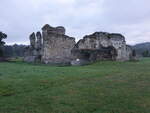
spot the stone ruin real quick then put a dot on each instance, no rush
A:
(33, 53)
(102, 46)
(54, 47)
(50, 47)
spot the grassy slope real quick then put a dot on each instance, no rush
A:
(104, 87)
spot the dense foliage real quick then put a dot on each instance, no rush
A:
(143, 49)
(14, 50)
(2, 37)
(146, 53)
(10, 50)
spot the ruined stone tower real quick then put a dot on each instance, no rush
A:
(39, 40)
(33, 52)
(52, 46)
(56, 45)
(32, 40)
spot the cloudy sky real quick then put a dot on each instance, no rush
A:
(19, 18)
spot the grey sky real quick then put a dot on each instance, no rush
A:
(19, 18)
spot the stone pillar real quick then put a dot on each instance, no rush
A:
(45, 36)
(39, 40)
(32, 40)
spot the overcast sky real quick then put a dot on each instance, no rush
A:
(19, 18)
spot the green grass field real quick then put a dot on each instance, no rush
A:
(104, 87)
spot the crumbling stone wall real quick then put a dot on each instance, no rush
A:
(104, 46)
(33, 52)
(54, 47)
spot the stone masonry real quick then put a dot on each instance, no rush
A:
(50, 47)
(102, 46)
(54, 47)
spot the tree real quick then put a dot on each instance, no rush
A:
(134, 53)
(14, 50)
(2, 36)
(146, 53)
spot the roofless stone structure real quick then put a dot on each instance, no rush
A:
(54, 47)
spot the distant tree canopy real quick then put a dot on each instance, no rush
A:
(2, 36)
(10, 50)
(146, 53)
(142, 49)
(14, 50)
(134, 53)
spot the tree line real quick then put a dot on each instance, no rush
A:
(2, 43)
(10, 50)
(146, 53)
(142, 49)
(14, 50)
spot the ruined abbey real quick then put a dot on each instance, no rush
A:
(53, 46)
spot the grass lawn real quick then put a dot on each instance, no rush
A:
(104, 87)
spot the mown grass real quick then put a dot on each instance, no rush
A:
(103, 87)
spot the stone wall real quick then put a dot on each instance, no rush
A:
(54, 47)
(33, 52)
(102, 46)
